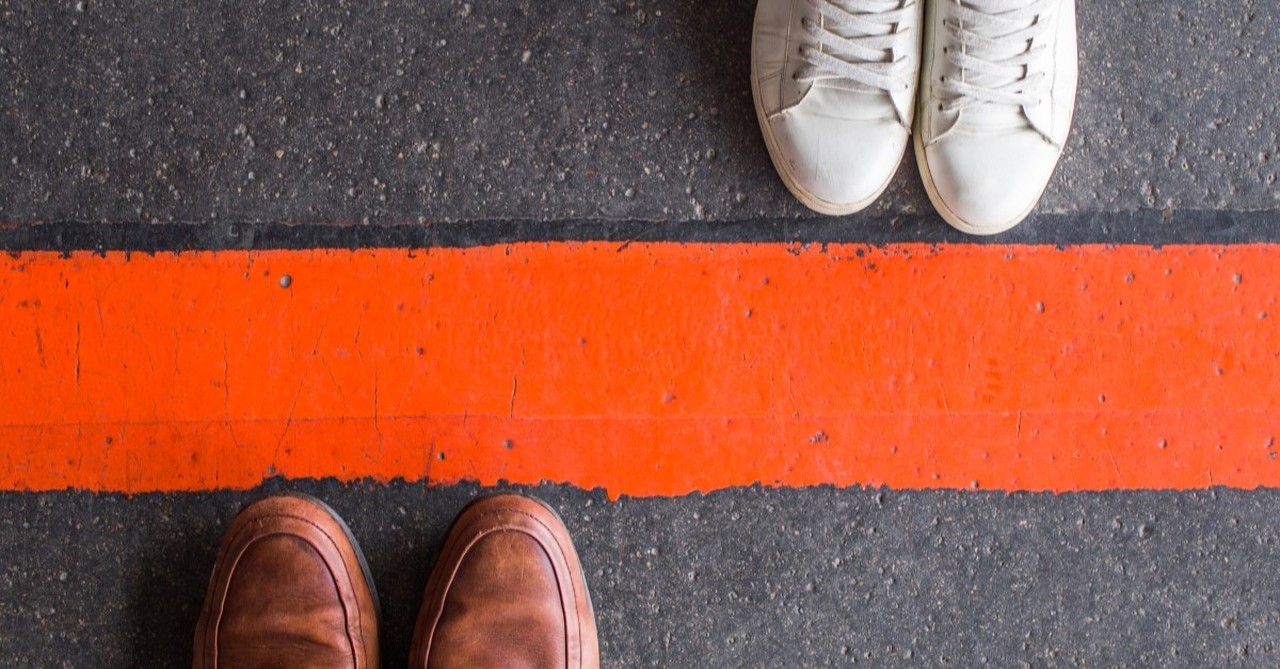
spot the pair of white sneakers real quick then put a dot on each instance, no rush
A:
(989, 86)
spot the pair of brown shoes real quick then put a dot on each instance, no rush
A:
(291, 588)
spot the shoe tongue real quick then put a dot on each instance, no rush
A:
(856, 105)
(993, 119)
(852, 105)
(874, 29)
(862, 8)
(997, 51)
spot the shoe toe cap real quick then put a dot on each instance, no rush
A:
(834, 165)
(988, 184)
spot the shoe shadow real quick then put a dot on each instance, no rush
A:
(400, 574)
(172, 574)
(400, 531)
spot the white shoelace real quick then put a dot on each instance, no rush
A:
(995, 44)
(857, 40)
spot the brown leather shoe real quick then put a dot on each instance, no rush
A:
(290, 588)
(507, 592)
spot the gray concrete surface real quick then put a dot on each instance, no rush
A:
(741, 578)
(402, 112)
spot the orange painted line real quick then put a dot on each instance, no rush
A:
(650, 369)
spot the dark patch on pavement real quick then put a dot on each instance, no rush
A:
(1143, 228)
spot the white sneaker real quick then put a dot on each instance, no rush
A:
(834, 84)
(998, 88)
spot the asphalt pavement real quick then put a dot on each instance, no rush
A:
(147, 126)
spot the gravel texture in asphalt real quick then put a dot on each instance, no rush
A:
(738, 578)
(408, 112)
